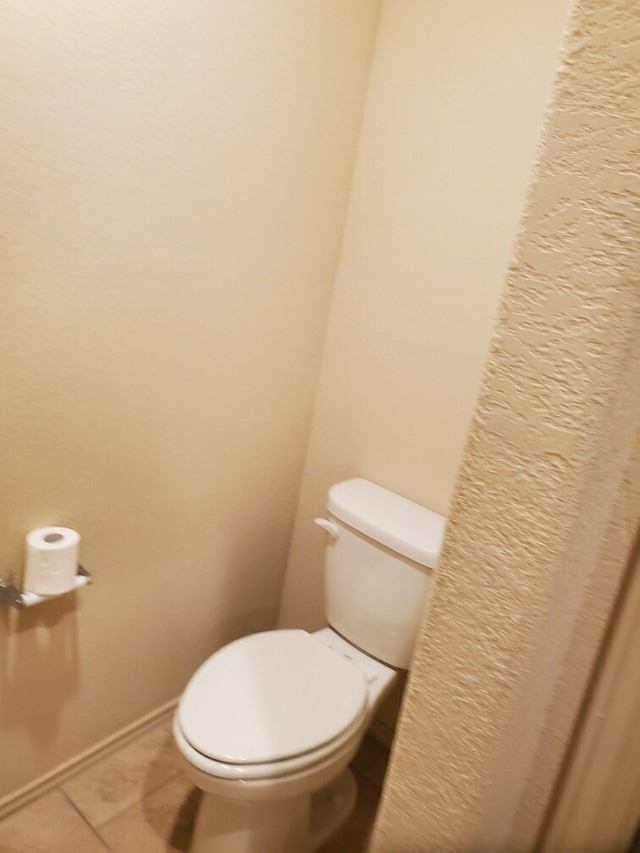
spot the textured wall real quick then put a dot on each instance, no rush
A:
(504, 657)
(174, 179)
(449, 134)
(590, 808)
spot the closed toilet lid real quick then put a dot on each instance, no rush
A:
(270, 696)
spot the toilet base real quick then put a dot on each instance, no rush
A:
(330, 807)
(296, 825)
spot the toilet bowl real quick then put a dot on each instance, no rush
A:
(268, 724)
(266, 729)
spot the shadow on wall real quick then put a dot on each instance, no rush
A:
(244, 599)
(44, 643)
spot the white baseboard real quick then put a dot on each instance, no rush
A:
(59, 775)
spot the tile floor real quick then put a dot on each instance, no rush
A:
(137, 800)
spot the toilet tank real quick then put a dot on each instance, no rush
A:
(379, 568)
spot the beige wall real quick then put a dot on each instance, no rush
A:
(174, 178)
(545, 507)
(451, 123)
(597, 797)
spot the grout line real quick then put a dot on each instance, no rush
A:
(56, 777)
(149, 792)
(130, 808)
(146, 792)
(84, 818)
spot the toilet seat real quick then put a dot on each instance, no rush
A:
(259, 707)
(256, 776)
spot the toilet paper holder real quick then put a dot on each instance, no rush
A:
(12, 596)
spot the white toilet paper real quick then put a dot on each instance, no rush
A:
(51, 561)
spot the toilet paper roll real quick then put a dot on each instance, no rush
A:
(51, 561)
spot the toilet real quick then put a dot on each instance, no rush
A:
(269, 723)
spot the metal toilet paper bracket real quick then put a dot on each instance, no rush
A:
(12, 596)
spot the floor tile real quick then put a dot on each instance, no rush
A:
(138, 801)
(353, 837)
(48, 825)
(162, 822)
(125, 777)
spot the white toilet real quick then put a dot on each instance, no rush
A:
(268, 725)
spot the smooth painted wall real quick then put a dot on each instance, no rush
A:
(451, 123)
(174, 181)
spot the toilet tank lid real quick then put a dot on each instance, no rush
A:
(398, 523)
